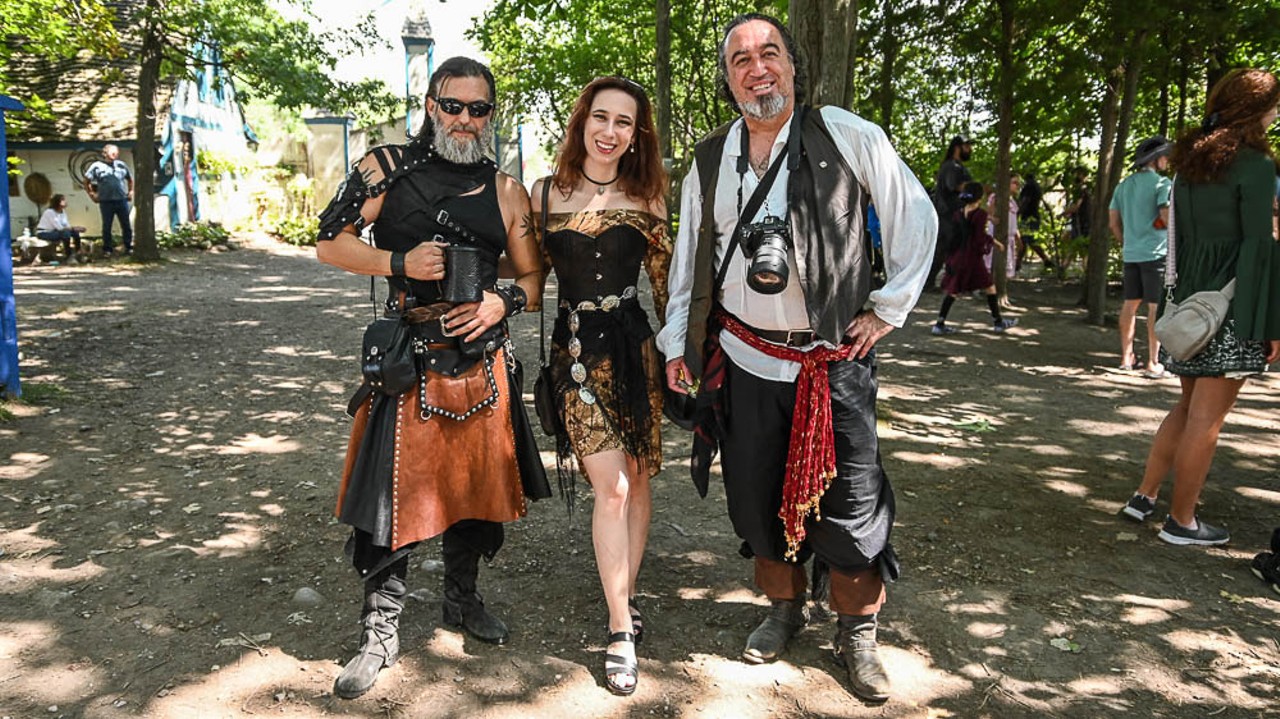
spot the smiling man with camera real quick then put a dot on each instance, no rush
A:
(767, 326)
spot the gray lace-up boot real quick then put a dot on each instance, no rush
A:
(767, 642)
(380, 640)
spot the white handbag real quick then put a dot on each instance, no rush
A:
(1185, 329)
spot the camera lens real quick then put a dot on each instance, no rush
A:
(769, 272)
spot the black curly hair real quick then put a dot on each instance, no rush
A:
(789, 42)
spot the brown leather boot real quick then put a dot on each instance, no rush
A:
(856, 648)
(769, 640)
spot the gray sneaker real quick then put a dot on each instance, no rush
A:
(1139, 508)
(942, 330)
(1005, 324)
(1204, 534)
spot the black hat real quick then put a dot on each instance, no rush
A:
(959, 140)
(1150, 149)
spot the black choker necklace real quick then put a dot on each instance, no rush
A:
(600, 186)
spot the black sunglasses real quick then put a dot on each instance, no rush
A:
(453, 106)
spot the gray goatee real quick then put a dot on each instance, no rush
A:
(462, 151)
(764, 108)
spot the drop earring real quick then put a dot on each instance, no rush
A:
(632, 149)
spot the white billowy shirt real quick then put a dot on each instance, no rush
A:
(52, 220)
(908, 223)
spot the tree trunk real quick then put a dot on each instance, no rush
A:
(825, 32)
(1184, 80)
(662, 70)
(1095, 291)
(1004, 130)
(1108, 177)
(145, 247)
(890, 44)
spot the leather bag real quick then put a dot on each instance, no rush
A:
(544, 396)
(387, 359)
(1185, 329)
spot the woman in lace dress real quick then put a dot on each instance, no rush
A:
(605, 219)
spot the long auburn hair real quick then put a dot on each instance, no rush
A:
(1233, 118)
(640, 174)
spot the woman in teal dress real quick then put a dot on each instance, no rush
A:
(605, 220)
(1224, 199)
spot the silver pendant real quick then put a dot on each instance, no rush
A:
(575, 347)
(586, 396)
(578, 372)
(573, 322)
(599, 191)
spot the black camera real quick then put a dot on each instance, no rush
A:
(766, 244)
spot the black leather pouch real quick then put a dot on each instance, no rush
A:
(387, 358)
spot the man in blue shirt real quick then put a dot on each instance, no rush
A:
(1139, 218)
(110, 184)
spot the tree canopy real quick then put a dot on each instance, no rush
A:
(1043, 86)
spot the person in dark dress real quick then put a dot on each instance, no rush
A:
(947, 184)
(605, 219)
(1029, 199)
(966, 269)
(1223, 201)
(437, 193)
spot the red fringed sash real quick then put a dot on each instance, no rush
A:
(811, 455)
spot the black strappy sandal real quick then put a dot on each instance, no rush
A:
(621, 665)
(637, 620)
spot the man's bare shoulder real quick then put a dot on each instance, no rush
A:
(509, 188)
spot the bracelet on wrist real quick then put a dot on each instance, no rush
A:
(514, 297)
(397, 264)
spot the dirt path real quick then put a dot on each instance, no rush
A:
(169, 490)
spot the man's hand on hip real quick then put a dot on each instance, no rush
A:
(863, 333)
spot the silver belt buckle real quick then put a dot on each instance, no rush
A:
(791, 335)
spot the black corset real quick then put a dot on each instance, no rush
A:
(590, 268)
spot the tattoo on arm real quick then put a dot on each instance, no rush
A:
(527, 228)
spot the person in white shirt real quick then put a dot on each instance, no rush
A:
(780, 349)
(55, 227)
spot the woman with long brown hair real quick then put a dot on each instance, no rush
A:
(1223, 199)
(605, 218)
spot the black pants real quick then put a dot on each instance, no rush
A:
(470, 536)
(858, 507)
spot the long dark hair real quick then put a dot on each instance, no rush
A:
(1233, 118)
(640, 173)
(453, 67)
(55, 201)
(787, 41)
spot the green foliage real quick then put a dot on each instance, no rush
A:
(211, 162)
(193, 235)
(299, 231)
(53, 29)
(545, 51)
(42, 392)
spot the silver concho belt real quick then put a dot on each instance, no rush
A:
(578, 371)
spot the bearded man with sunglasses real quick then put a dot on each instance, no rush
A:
(767, 322)
(448, 453)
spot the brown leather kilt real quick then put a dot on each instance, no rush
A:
(445, 470)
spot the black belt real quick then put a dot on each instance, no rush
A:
(787, 338)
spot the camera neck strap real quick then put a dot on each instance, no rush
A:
(745, 214)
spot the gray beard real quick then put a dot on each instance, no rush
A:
(764, 108)
(461, 152)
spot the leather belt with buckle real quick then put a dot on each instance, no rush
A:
(788, 338)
